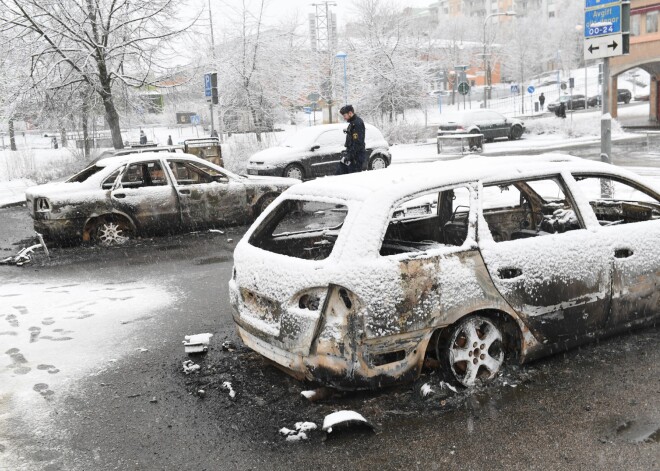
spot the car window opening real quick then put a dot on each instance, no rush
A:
(616, 202)
(426, 222)
(85, 174)
(301, 229)
(144, 174)
(524, 209)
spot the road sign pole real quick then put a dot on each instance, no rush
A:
(606, 120)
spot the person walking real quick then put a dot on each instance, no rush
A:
(143, 137)
(354, 155)
(169, 140)
(542, 100)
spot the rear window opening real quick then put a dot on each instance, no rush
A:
(301, 229)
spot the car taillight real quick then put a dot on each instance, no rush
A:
(42, 205)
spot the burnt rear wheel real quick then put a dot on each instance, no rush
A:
(473, 350)
(264, 202)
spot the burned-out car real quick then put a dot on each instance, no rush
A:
(148, 193)
(355, 281)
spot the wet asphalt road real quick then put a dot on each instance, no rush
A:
(593, 408)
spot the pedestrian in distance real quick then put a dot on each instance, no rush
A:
(169, 140)
(353, 157)
(541, 100)
(561, 110)
(143, 137)
(54, 143)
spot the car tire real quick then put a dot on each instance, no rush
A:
(626, 101)
(471, 351)
(294, 171)
(264, 202)
(378, 162)
(112, 231)
(515, 133)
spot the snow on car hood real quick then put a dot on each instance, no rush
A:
(278, 154)
(275, 181)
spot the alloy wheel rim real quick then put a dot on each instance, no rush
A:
(475, 351)
(112, 234)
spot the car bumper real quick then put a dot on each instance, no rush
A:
(338, 360)
(260, 170)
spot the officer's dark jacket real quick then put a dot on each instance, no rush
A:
(355, 134)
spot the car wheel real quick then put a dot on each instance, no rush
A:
(377, 162)
(264, 202)
(473, 351)
(294, 171)
(516, 133)
(626, 101)
(113, 231)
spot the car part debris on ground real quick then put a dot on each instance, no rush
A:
(25, 255)
(426, 389)
(190, 367)
(300, 432)
(344, 419)
(228, 346)
(318, 394)
(198, 343)
(227, 385)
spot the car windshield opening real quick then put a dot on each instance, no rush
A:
(301, 229)
(85, 174)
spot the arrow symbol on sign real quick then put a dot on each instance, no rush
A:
(592, 48)
(613, 45)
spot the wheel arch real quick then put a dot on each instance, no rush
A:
(256, 207)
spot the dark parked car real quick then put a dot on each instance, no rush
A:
(572, 102)
(314, 152)
(623, 95)
(148, 193)
(490, 123)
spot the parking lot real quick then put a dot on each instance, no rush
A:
(92, 373)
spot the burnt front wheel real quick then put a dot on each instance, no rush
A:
(265, 202)
(473, 351)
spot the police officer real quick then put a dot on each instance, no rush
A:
(354, 155)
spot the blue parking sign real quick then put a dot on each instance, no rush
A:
(207, 85)
(531, 89)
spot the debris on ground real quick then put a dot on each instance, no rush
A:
(198, 343)
(228, 346)
(153, 400)
(230, 240)
(190, 367)
(217, 231)
(344, 419)
(142, 350)
(318, 394)
(227, 385)
(25, 255)
(426, 389)
(300, 432)
(444, 385)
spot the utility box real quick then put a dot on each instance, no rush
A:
(205, 148)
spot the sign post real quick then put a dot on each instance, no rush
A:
(531, 91)
(606, 34)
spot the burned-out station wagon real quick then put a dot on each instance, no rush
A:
(353, 281)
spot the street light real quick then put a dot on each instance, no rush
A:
(487, 67)
(342, 55)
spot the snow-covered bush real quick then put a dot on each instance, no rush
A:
(580, 126)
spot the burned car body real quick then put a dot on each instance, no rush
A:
(148, 193)
(353, 281)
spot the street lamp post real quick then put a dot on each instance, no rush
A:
(342, 55)
(487, 80)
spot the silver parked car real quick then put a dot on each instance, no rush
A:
(353, 281)
(315, 152)
(148, 193)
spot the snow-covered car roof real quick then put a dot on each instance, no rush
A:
(308, 135)
(391, 184)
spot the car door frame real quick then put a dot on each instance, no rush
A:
(326, 160)
(144, 215)
(635, 266)
(530, 286)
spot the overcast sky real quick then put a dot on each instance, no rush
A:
(281, 9)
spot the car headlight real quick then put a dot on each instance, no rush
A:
(311, 299)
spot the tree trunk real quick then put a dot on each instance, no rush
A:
(12, 135)
(112, 117)
(85, 130)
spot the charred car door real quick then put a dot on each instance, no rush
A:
(145, 194)
(207, 196)
(550, 269)
(629, 216)
(324, 159)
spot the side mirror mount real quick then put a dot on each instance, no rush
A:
(314, 147)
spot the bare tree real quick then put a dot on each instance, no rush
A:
(96, 44)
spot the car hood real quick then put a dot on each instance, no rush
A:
(278, 154)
